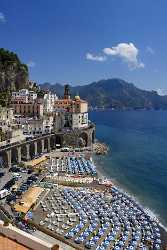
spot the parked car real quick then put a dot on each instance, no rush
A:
(4, 193)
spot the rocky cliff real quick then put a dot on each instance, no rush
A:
(13, 73)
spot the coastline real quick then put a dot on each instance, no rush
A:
(103, 175)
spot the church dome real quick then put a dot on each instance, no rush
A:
(77, 97)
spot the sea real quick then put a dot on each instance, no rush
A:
(137, 159)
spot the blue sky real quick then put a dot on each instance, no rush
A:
(80, 41)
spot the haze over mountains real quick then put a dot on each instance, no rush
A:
(113, 93)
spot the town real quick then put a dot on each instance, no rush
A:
(51, 194)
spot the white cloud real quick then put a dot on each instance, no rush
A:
(2, 18)
(31, 64)
(162, 92)
(97, 58)
(150, 50)
(127, 52)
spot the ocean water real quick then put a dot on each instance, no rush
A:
(137, 160)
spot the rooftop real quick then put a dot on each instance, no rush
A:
(8, 244)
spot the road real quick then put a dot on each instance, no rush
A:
(8, 175)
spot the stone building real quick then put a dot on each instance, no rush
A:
(43, 125)
(28, 109)
(75, 110)
(6, 116)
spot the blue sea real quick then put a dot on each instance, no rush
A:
(137, 160)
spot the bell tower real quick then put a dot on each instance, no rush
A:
(66, 92)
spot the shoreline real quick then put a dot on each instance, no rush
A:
(103, 175)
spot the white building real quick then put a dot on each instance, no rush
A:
(79, 120)
(48, 102)
(6, 116)
(38, 126)
(23, 96)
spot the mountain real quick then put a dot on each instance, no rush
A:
(113, 93)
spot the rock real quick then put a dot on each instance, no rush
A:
(100, 148)
(13, 73)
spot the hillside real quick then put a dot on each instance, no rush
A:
(13, 75)
(114, 93)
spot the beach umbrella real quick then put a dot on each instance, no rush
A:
(158, 234)
(131, 248)
(90, 243)
(86, 234)
(117, 228)
(157, 246)
(106, 243)
(81, 225)
(117, 248)
(114, 233)
(158, 241)
(96, 238)
(100, 248)
(94, 225)
(110, 238)
(121, 243)
(135, 243)
(101, 232)
(137, 237)
(76, 230)
(156, 229)
(124, 238)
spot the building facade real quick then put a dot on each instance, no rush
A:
(38, 126)
(79, 120)
(6, 116)
(28, 109)
(75, 110)
(48, 102)
(23, 96)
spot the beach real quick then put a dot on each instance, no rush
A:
(102, 175)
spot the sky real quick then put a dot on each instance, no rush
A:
(81, 41)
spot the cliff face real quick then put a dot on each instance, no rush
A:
(13, 73)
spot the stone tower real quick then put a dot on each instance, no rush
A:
(66, 92)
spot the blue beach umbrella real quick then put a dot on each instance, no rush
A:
(131, 248)
(117, 248)
(86, 234)
(106, 243)
(121, 243)
(96, 238)
(100, 248)
(110, 238)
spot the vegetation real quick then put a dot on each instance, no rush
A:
(41, 93)
(13, 75)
